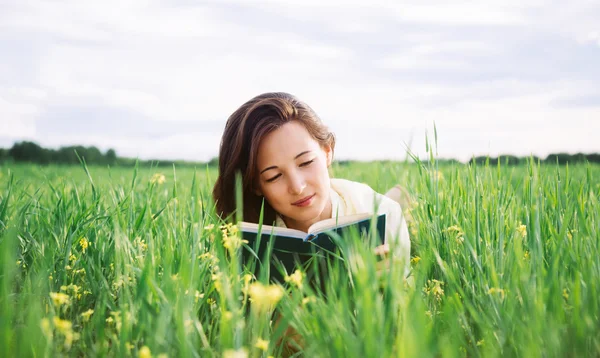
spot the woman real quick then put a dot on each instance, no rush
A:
(283, 152)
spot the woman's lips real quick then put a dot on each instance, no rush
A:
(305, 201)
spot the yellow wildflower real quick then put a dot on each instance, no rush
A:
(86, 315)
(62, 325)
(262, 344)
(495, 290)
(526, 255)
(295, 278)
(565, 294)
(240, 353)
(66, 329)
(84, 243)
(129, 347)
(264, 297)
(46, 329)
(522, 230)
(456, 229)
(247, 278)
(307, 300)
(59, 299)
(72, 257)
(144, 352)
(198, 296)
(231, 238)
(434, 287)
(415, 260)
(158, 178)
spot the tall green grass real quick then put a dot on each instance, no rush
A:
(119, 262)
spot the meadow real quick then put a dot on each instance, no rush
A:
(98, 261)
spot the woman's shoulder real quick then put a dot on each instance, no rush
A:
(361, 197)
(345, 186)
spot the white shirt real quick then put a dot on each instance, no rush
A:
(349, 198)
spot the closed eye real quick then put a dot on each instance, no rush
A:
(273, 178)
(306, 163)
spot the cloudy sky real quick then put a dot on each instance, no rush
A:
(158, 79)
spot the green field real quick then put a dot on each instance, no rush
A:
(120, 262)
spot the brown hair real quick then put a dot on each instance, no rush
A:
(244, 130)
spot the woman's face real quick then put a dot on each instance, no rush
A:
(293, 175)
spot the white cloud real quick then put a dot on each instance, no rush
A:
(356, 64)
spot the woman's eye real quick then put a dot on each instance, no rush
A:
(306, 163)
(273, 178)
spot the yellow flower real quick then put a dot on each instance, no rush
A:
(209, 227)
(415, 260)
(158, 179)
(231, 238)
(434, 287)
(46, 329)
(307, 300)
(59, 298)
(129, 347)
(526, 255)
(522, 230)
(264, 297)
(144, 352)
(198, 296)
(72, 257)
(66, 329)
(496, 290)
(565, 294)
(240, 353)
(86, 315)
(84, 243)
(62, 325)
(262, 344)
(295, 278)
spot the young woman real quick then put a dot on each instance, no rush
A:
(283, 152)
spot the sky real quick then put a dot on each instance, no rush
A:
(158, 79)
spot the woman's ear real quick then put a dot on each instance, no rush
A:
(329, 154)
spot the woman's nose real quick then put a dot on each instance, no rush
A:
(297, 185)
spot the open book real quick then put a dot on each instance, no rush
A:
(277, 246)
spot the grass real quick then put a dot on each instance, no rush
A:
(119, 262)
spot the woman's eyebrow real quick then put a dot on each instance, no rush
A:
(296, 157)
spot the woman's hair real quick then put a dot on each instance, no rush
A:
(244, 130)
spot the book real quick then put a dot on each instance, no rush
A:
(282, 249)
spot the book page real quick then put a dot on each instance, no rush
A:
(332, 223)
(268, 229)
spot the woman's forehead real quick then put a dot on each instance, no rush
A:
(285, 143)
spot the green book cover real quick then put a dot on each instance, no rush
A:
(290, 247)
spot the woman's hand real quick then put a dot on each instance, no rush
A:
(386, 260)
(383, 251)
